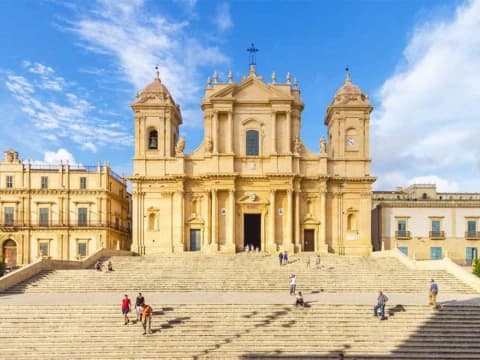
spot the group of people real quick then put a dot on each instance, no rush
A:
(143, 311)
(283, 258)
(99, 266)
(249, 248)
(382, 299)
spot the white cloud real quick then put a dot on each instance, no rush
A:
(46, 79)
(138, 41)
(61, 155)
(443, 185)
(427, 119)
(62, 115)
(223, 19)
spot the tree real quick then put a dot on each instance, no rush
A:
(476, 267)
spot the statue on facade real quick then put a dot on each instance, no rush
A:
(180, 146)
(323, 145)
(297, 145)
(208, 144)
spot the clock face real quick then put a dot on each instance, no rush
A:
(350, 141)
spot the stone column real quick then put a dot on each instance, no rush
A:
(289, 132)
(214, 215)
(230, 133)
(274, 132)
(271, 241)
(207, 215)
(297, 221)
(181, 222)
(321, 245)
(231, 235)
(215, 132)
(289, 244)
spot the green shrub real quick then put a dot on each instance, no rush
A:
(476, 267)
(2, 266)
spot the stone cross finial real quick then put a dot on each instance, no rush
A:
(157, 72)
(230, 77)
(347, 75)
(274, 77)
(289, 78)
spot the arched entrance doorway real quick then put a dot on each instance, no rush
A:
(9, 252)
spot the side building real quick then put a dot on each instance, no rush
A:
(60, 211)
(251, 181)
(426, 224)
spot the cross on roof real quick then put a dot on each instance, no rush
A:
(252, 50)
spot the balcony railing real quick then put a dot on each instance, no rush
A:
(437, 234)
(472, 235)
(402, 234)
(8, 226)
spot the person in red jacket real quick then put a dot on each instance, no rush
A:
(126, 304)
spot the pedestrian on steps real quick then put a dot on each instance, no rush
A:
(285, 257)
(139, 301)
(317, 261)
(433, 293)
(293, 284)
(307, 262)
(147, 318)
(299, 301)
(126, 304)
(280, 258)
(381, 301)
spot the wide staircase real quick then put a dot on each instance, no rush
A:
(241, 332)
(243, 273)
(216, 311)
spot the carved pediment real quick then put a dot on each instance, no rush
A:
(251, 89)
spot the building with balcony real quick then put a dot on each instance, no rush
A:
(426, 224)
(60, 211)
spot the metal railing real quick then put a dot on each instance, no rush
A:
(437, 234)
(55, 224)
(402, 234)
(472, 235)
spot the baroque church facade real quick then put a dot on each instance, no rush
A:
(251, 181)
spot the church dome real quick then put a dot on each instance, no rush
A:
(349, 92)
(155, 91)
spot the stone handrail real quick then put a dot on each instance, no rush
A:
(30, 270)
(443, 264)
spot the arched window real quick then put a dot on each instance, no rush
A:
(252, 143)
(153, 139)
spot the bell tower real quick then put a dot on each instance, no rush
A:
(347, 119)
(350, 182)
(157, 121)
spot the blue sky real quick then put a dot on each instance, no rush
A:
(70, 69)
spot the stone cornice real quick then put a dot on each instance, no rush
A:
(429, 204)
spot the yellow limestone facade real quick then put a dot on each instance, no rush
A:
(251, 181)
(64, 212)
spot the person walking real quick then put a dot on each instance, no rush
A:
(126, 304)
(139, 301)
(433, 293)
(147, 318)
(280, 258)
(307, 262)
(285, 257)
(381, 301)
(317, 261)
(293, 284)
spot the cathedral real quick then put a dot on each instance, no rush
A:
(251, 181)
